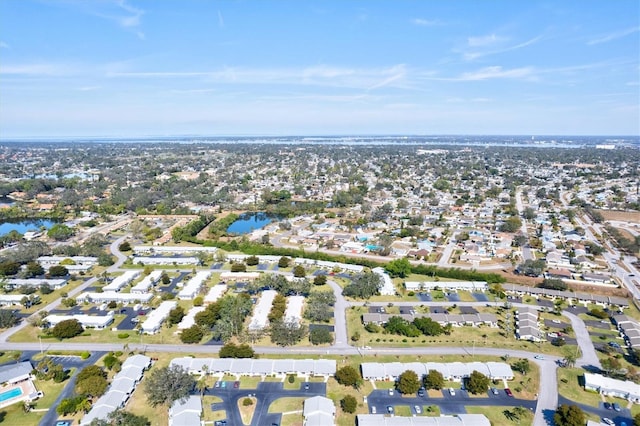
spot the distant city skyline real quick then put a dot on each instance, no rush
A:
(116, 68)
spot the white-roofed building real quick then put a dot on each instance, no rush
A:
(607, 386)
(239, 276)
(387, 288)
(121, 281)
(261, 311)
(293, 313)
(455, 371)
(472, 286)
(215, 293)
(173, 249)
(319, 411)
(192, 287)
(54, 283)
(157, 316)
(109, 296)
(147, 282)
(12, 299)
(165, 260)
(99, 322)
(190, 318)
(186, 412)
(77, 264)
(258, 367)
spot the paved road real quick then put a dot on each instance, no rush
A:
(526, 249)
(340, 326)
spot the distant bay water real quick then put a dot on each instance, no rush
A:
(249, 222)
(24, 225)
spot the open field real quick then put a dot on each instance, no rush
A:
(499, 415)
(620, 215)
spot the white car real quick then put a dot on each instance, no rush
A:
(373, 410)
(608, 421)
(452, 392)
(391, 391)
(418, 409)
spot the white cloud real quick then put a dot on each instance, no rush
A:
(494, 72)
(426, 22)
(479, 53)
(220, 20)
(34, 70)
(613, 36)
(483, 41)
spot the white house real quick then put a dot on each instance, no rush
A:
(99, 322)
(157, 316)
(192, 288)
(147, 282)
(121, 281)
(261, 311)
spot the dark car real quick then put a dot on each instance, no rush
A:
(508, 392)
(421, 392)
(236, 385)
(608, 406)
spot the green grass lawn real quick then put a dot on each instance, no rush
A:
(499, 415)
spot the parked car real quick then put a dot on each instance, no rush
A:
(236, 385)
(373, 410)
(421, 392)
(608, 421)
(63, 423)
(452, 391)
(616, 406)
(306, 386)
(217, 385)
(538, 357)
(223, 384)
(391, 391)
(508, 392)
(494, 391)
(608, 406)
(418, 409)
(390, 409)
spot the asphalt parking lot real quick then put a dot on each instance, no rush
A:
(265, 393)
(448, 404)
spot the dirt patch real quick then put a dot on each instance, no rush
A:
(620, 215)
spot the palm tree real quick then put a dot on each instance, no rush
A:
(201, 385)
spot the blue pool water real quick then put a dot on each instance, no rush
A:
(10, 394)
(372, 247)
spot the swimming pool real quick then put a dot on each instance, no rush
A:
(10, 394)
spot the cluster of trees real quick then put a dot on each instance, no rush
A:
(512, 224)
(49, 370)
(278, 307)
(419, 326)
(8, 318)
(277, 282)
(121, 418)
(287, 333)
(231, 350)
(363, 286)
(553, 284)
(191, 229)
(320, 335)
(532, 268)
(226, 316)
(193, 334)
(91, 382)
(319, 306)
(164, 385)
(569, 415)
(348, 376)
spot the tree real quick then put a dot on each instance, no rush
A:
(399, 268)
(124, 246)
(553, 284)
(349, 404)
(611, 365)
(238, 267)
(34, 269)
(230, 350)
(167, 384)
(58, 271)
(60, 232)
(93, 386)
(636, 420)
(428, 327)
(8, 268)
(45, 288)
(348, 376)
(165, 279)
(320, 335)
(121, 418)
(522, 366)
(569, 415)
(176, 315)
(363, 286)
(320, 279)
(408, 382)
(8, 318)
(192, 334)
(287, 333)
(105, 259)
(284, 262)
(252, 260)
(477, 383)
(67, 329)
(512, 224)
(433, 380)
(299, 271)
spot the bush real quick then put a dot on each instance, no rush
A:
(349, 404)
(238, 267)
(198, 301)
(85, 354)
(192, 334)
(247, 402)
(123, 335)
(67, 329)
(291, 378)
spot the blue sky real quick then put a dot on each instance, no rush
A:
(136, 68)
